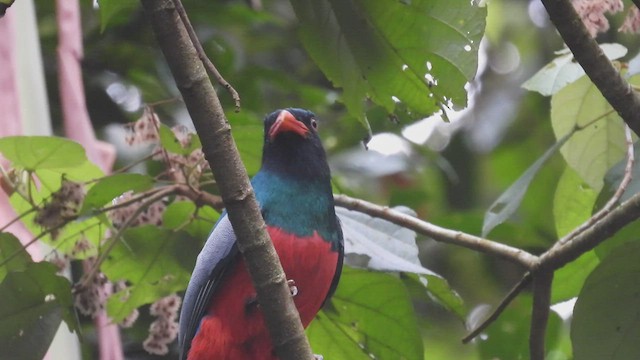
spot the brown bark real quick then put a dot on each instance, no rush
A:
(220, 150)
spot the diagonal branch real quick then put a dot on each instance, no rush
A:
(596, 65)
(280, 313)
(437, 233)
(618, 218)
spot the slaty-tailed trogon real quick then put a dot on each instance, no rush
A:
(220, 318)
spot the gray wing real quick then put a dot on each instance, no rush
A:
(217, 253)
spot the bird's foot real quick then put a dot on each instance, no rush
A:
(318, 357)
(292, 287)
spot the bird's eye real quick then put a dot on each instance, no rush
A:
(314, 123)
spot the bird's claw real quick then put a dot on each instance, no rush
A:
(292, 287)
(318, 357)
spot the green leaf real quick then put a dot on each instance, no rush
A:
(177, 214)
(386, 49)
(42, 152)
(573, 202)
(197, 222)
(110, 8)
(606, 317)
(28, 334)
(32, 304)
(171, 143)
(506, 337)
(601, 142)
(568, 280)
(614, 177)
(564, 70)
(437, 290)
(153, 261)
(108, 188)
(10, 246)
(369, 316)
(508, 202)
(247, 132)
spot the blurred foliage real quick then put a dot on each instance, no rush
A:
(450, 176)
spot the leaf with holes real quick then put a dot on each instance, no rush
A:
(370, 316)
(420, 53)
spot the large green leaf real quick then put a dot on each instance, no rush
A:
(606, 317)
(509, 201)
(153, 261)
(601, 142)
(42, 152)
(420, 53)
(32, 304)
(370, 316)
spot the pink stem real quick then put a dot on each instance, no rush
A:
(77, 126)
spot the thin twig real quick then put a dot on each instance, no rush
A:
(200, 197)
(628, 174)
(211, 68)
(514, 255)
(114, 239)
(512, 294)
(17, 218)
(542, 282)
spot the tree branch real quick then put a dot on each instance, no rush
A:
(600, 70)
(618, 218)
(542, 281)
(437, 233)
(273, 294)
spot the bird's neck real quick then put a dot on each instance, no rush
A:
(300, 207)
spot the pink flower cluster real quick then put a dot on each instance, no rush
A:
(144, 130)
(164, 329)
(120, 215)
(63, 205)
(592, 13)
(90, 299)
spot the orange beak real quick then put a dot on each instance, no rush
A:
(287, 122)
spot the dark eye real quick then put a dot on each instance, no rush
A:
(314, 123)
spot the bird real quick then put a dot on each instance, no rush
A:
(220, 317)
